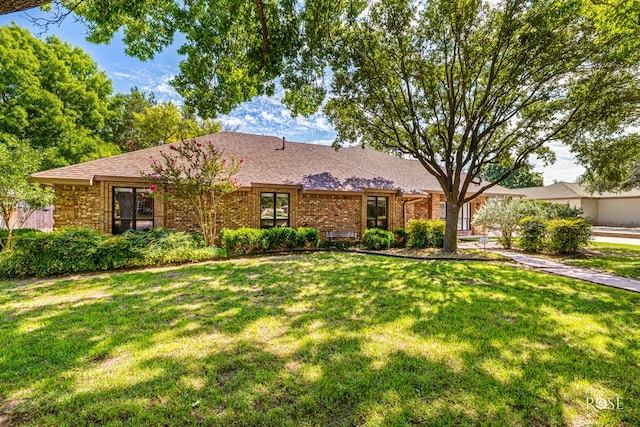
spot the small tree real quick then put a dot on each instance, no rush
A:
(200, 174)
(17, 161)
(503, 215)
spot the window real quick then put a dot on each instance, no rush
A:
(463, 216)
(274, 210)
(377, 212)
(132, 209)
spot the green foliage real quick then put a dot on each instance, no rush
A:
(522, 177)
(246, 241)
(242, 241)
(568, 236)
(279, 238)
(377, 239)
(559, 210)
(83, 250)
(425, 233)
(17, 161)
(504, 215)
(308, 237)
(400, 237)
(52, 96)
(532, 234)
(201, 175)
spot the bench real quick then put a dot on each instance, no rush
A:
(342, 235)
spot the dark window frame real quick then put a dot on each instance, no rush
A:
(377, 221)
(134, 218)
(275, 219)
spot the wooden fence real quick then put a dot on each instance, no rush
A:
(40, 220)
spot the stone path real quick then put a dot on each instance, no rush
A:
(574, 272)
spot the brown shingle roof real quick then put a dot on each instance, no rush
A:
(315, 167)
(9, 6)
(570, 190)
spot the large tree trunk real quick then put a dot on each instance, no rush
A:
(451, 229)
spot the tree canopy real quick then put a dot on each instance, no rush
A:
(53, 97)
(520, 178)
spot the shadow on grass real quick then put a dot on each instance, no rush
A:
(326, 339)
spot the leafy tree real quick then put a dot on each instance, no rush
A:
(457, 84)
(199, 174)
(53, 97)
(462, 84)
(120, 127)
(17, 161)
(519, 178)
(164, 123)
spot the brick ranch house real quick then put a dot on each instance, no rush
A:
(281, 184)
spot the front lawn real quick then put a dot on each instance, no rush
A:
(323, 339)
(622, 260)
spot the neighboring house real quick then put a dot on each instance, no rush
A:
(349, 189)
(614, 209)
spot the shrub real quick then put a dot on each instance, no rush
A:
(425, 233)
(400, 238)
(375, 238)
(503, 215)
(84, 250)
(308, 237)
(558, 210)
(279, 238)
(243, 241)
(532, 234)
(568, 236)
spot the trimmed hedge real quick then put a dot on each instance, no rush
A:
(425, 233)
(375, 238)
(568, 236)
(247, 241)
(81, 250)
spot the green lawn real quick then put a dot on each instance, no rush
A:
(323, 339)
(623, 260)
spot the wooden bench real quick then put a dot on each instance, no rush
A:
(342, 235)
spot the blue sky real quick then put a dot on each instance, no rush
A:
(263, 115)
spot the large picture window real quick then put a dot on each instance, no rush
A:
(132, 209)
(377, 211)
(464, 215)
(274, 210)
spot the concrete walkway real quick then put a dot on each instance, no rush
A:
(574, 272)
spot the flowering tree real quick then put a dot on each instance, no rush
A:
(200, 174)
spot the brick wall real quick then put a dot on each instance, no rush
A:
(77, 205)
(91, 206)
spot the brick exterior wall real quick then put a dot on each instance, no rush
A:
(77, 205)
(91, 206)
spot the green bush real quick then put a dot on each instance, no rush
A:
(243, 241)
(246, 241)
(568, 236)
(400, 236)
(84, 250)
(558, 210)
(425, 233)
(308, 237)
(532, 234)
(279, 239)
(375, 238)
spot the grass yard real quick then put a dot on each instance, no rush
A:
(620, 259)
(323, 339)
